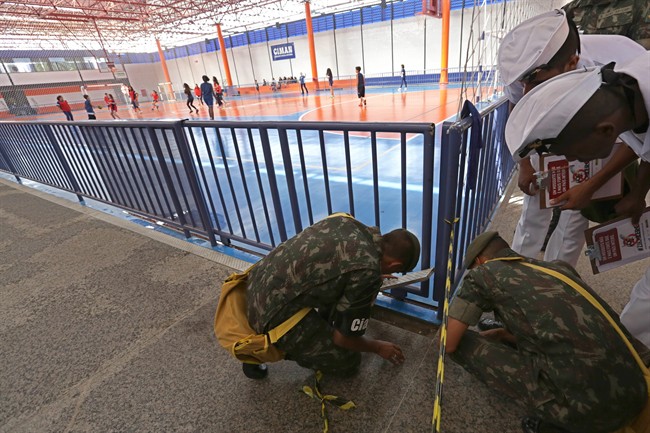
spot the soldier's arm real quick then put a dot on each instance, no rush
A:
(455, 331)
(633, 204)
(387, 350)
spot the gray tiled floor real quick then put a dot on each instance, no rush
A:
(104, 329)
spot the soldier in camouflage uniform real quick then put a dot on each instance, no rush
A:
(629, 18)
(336, 267)
(558, 355)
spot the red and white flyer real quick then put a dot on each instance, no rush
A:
(558, 175)
(618, 242)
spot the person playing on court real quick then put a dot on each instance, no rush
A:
(403, 83)
(65, 107)
(207, 92)
(190, 98)
(155, 98)
(88, 106)
(218, 91)
(335, 266)
(197, 93)
(303, 86)
(133, 96)
(112, 106)
(330, 80)
(579, 115)
(361, 87)
(558, 356)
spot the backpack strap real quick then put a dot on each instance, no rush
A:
(278, 332)
(599, 307)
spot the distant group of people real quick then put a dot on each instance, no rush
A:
(110, 103)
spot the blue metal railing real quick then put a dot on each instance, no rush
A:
(474, 205)
(255, 184)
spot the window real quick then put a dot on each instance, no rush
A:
(62, 64)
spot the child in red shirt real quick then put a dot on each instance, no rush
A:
(65, 107)
(112, 105)
(154, 100)
(197, 92)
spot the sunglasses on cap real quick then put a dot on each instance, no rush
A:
(548, 145)
(530, 76)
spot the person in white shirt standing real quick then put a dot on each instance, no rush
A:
(537, 50)
(579, 115)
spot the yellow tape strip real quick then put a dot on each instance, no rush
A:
(316, 394)
(440, 376)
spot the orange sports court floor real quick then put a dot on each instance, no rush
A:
(429, 105)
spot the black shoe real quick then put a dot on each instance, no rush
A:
(487, 324)
(536, 425)
(255, 371)
(528, 424)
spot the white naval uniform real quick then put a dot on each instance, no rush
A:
(636, 314)
(568, 239)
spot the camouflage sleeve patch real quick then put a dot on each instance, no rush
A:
(465, 312)
(352, 322)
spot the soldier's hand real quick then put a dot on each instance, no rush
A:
(631, 205)
(499, 334)
(577, 197)
(527, 180)
(390, 351)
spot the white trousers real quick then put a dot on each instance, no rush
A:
(565, 243)
(636, 314)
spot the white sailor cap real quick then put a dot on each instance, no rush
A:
(545, 111)
(531, 44)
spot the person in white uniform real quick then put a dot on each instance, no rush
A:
(579, 115)
(534, 51)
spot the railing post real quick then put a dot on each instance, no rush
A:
(188, 166)
(427, 204)
(63, 160)
(449, 166)
(291, 184)
(168, 180)
(273, 183)
(9, 163)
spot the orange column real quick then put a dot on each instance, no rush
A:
(163, 62)
(312, 47)
(444, 61)
(224, 55)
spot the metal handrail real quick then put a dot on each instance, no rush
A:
(255, 184)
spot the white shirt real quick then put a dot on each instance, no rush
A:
(639, 68)
(595, 50)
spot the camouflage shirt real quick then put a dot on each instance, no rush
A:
(333, 266)
(629, 18)
(571, 344)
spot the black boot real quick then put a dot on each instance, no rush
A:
(255, 371)
(536, 425)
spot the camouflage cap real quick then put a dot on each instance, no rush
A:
(415, 256)
(477, 246)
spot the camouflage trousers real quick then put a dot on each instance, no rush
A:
(509, 371)
(310, 344)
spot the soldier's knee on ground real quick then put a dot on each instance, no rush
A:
(345, 366)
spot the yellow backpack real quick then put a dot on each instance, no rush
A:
(235, 333)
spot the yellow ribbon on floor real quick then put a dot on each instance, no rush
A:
(316, 394)
(440, 376)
